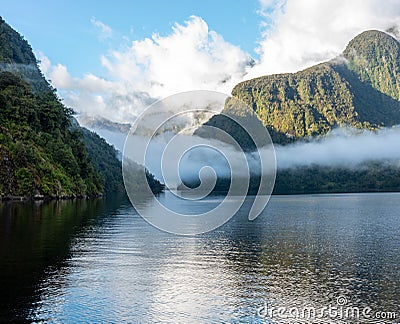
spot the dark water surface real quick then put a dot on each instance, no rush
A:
(98, 261)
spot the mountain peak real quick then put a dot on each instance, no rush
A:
(372, 45)
(375, 57)
(362, 90)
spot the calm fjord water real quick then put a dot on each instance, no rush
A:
(99, 261)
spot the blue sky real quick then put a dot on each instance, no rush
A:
(64, 32)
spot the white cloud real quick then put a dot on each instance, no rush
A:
(44, 63)
(90, 94)
(306, 32)
(192, 57)
(105, 31)
(269, 9)
(60, 75)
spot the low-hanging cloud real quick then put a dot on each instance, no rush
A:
(224, 159)
(347, 148)
(343, 147)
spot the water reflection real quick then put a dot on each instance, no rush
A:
(303, 251)
(35, 241)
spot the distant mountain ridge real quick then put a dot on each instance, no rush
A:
(103, 123)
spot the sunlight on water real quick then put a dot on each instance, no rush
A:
(304, 251)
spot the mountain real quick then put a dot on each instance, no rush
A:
(361, 88)
(236, 118)
(43, 150)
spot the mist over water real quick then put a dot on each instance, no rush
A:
(343, 147)
(205, 153)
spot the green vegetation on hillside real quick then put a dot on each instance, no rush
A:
(43, 152)
(14, 48)
(308, 103)
(368, 177)
(239, 122)
(375, 57)
(16, 56)
(104, 157)
(39, 154)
